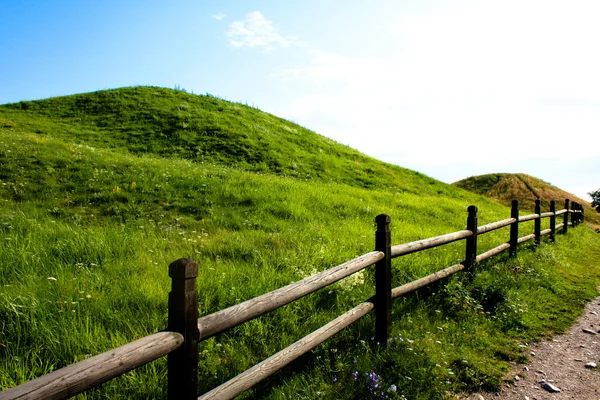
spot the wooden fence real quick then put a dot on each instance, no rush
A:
(185, 330)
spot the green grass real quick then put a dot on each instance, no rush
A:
(82, 203)
(205, 129)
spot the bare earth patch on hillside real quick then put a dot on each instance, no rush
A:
(560, 362)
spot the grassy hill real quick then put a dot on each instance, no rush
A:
(205, 129)
(99, 192)
(526, 189)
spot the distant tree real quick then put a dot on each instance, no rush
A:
(595, 199)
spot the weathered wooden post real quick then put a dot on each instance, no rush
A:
(383, 280)
(566, 217)
(471, 252)
(514, 228)
(538, 222)
(579, 213)
(582, 216)
(183, 318)
(574, 216)
(553, 221)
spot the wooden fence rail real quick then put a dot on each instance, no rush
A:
(185, 330)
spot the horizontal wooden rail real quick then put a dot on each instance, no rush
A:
(526, 238)
(528, 217)
(492, 252)
(219, 321)
(407, 248)
(495, 225)
(76, 378)
(419, 283)
(268, 367)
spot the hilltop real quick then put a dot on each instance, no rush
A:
(204, 129)
(100, 192)
(506, 187)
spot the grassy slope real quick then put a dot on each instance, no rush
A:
(525, 188)
(116, 219)
(169, 123)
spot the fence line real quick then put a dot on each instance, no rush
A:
(185, 330)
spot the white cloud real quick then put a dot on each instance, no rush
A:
(495, 85)
(255, 31)
(507, 86)
(219, 17)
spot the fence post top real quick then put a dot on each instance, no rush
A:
(515, 203)
(383, 218)
(472, 209)
(183, 269)
(538, 201)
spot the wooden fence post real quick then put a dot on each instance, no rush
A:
(183, 318)
(553, 221)
(574, 216)
(383, 281)
(471, 253)
(514, 228)
(582, 216)
(566, 217)
(538, 222)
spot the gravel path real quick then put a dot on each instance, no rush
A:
(560, 362)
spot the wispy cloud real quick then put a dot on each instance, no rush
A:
(256, 31)
(219, 17)
(454, 83)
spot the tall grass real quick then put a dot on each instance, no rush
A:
(87, 233)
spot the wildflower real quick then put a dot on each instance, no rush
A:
(392, 388)
(88, 296)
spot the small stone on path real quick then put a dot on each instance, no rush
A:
(550, 387)
(591, 332)
(591, 365)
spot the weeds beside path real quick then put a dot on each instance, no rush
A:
(560, 361)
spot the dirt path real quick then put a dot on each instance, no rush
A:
(560, 362)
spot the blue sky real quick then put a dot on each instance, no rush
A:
(448, 88)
